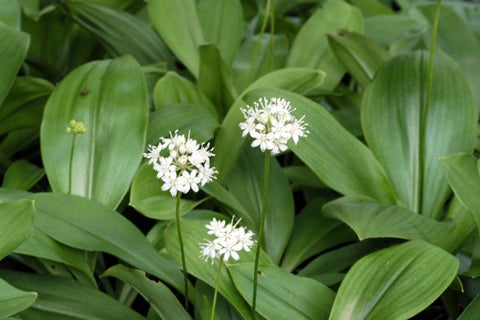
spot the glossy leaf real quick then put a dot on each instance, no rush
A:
(157, 294)
(205, 271)
(371, 220)
(175, 20)
(313, 233)
(110, 98)
(222, 22)
(22, 175)
(16, 224)
(388, 29)
(246, 184)
(13, 52)
(282, 295)
(147, 197)
(214, 78)
(13, 300)
(120, 32)
(408, 144)
(416, 275)
(462, 174)
(360, 56)
(62, 299)
(310, 48)
(88, 225)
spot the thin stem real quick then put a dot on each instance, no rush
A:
(272, 33)
(70, 167)
(257, 45)
(182, 250)
(216, 288)
(260, 230)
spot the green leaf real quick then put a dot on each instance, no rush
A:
(310, 48)
(157, 294)
(13, 300)
(388, 29)
(394, 283)
(472, 310)
(147, 197)
(63, 299)
(222, 24)
(214, 78)
(22, 175)
(246, 184)
(282, 295)
(371, 220)
(10, 13)
(120, 32)
(372, 7)
(407, 137)
(110, 98)
(175, 89)
(88, 225)
(462, 174)
(361, 56)
(313, 233)
(16, 224)
(197, 233)
(177, 23)
(12, 53)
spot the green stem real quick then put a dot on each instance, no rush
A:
(257, 45)
(260, 230)
(70, 167)
(182, 250)
(272, 33)
(217, 281)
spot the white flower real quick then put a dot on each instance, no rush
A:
(181, 162)
(229, 240)
(271, 124)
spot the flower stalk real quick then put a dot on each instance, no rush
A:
(75, 128)
(217, 281)
(182, 248)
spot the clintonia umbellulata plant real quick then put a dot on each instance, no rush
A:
(361, 221)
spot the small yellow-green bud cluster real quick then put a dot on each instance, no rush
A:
(76, 127)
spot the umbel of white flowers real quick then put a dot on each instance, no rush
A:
(271, 124)
(229, 240)
(181, 162)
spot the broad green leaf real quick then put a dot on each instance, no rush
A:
(16, 224)
(178, 25)
(120, 32)
(147, 197)
(388, 29)
(337, 157)
(310, 48)
(222, 24)
(12, 53)
(203, 304)
(228, 144)
(282, 295)
(246, 184)
(175, 89)
(110, 98)
(256, 58)
(22, 175)
(214, 78)
(205, 271)
(462, 174)
(416, 275)
(10, 13)
(303, 176)
(459, 42)
(372, 7)
(407, 137)
(88, 225)
(313, 233)
(18, 140)
(196, 119)
(361, 56)
(371, 220)
(472, 310)
(157, 294)
(63, 299)
(13, 300)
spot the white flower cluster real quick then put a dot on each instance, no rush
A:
(271, 124)
(186, 166)
(229, 240)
